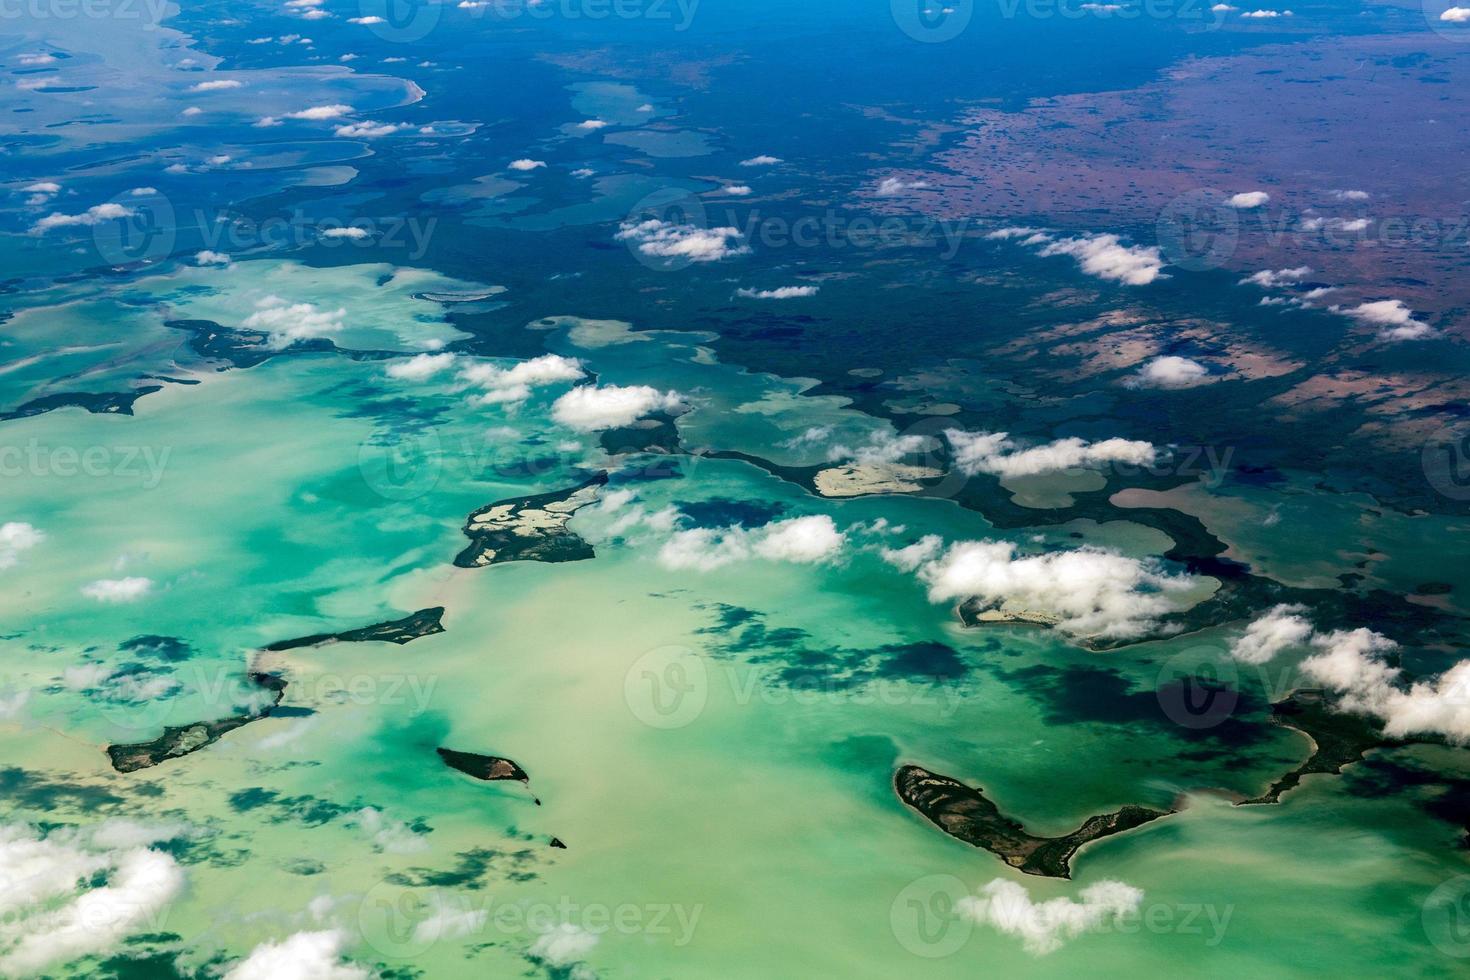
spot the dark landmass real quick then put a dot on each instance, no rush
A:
(657, 433)
(247, 348)
(99, 403)
(1338, 739)
(529, 528)
(425, 622)
(557, 843)
(965, 814)
(1241, 595)
(184, 739)
(487, 767)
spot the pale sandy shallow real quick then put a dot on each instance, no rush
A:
(684, 780)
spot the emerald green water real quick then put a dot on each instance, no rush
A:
(719, 821)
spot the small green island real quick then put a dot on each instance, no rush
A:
(181, 740)
(966, 814)
(530, 528)
(425, 622)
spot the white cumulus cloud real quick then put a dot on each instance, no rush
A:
(91, 217)
(1090, 591)
(71, 894)
(1105, 257)
(780, 292)
(129, 589)
(1248, 200)
(288, 323)
(1043, 927)
(997, 453)
(420, 367)
(593, 407)
(302, 956)
(17, 537)
(514, 384)
(669, 240)
(1268, 634)
(1393, 316)
(801, 540)
(1169, 371)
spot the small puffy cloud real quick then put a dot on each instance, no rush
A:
(800, 540)
(1169, 371)
(514, 384)
(1223, 8)
(1265, 14)
(351, 232)
(388, 835)
(1396, 320)
(366, 130)
(303, 956)
(1089, 591)
(780, 292)
(1105, 257)
(882, 447)
(890, 186)
(1456, 15)
(592, 124)
(997, 453)
(1352, 665)
(289, 323)
(1350, 195)
(218, 85)
(117, 590)
(1247, 200)
(763, 160)
(1335, 224)
(562, 947)
(319, 112)
(1043, 927)
(366, 21)
(16, 538)
(1268, 634)
(736, 190)
(804, 540)
(42, 192)
(667, 240)
(91, 217)
(33, 60)
(1271, 278)
(594, 407)
(526, 164)
(421, 367)
(210, 257)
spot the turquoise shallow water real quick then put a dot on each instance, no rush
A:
(713, 741)
(748, 804)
